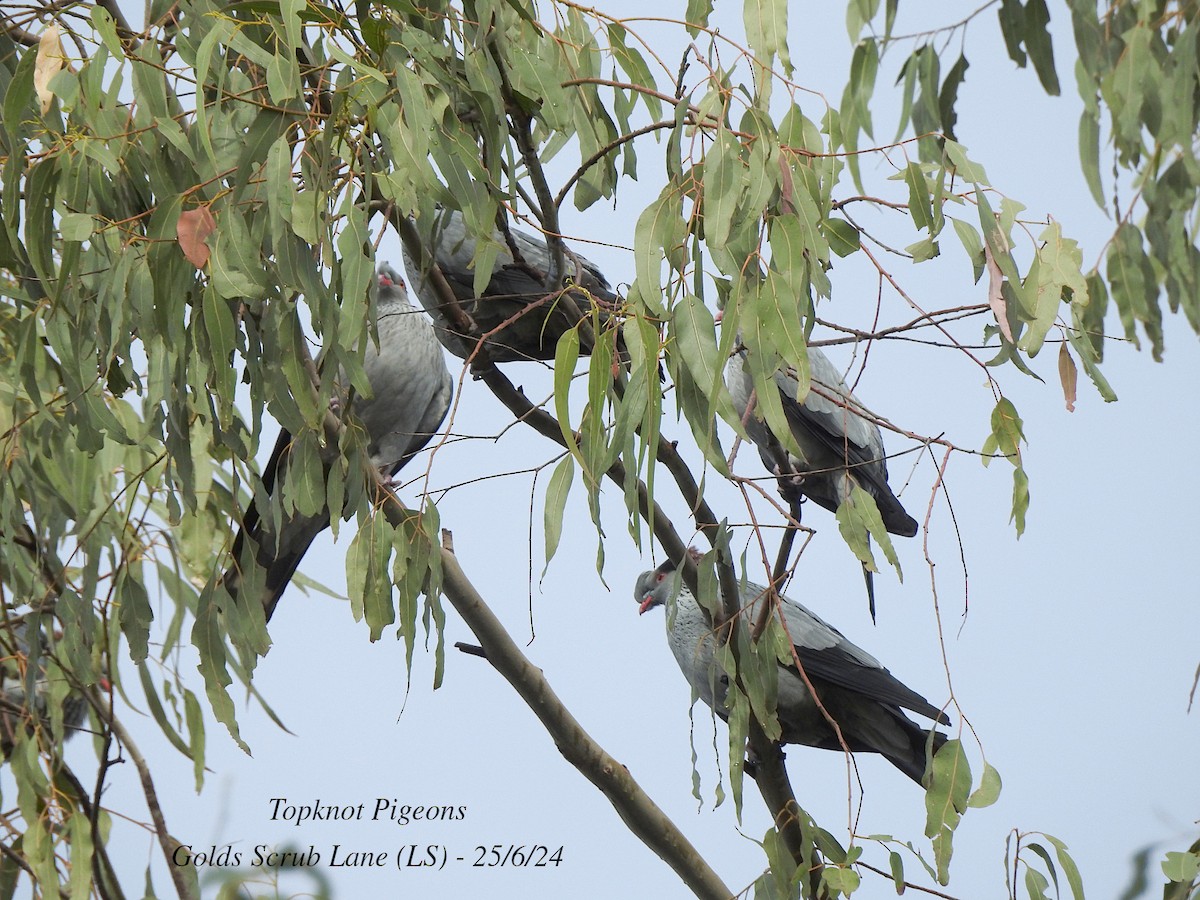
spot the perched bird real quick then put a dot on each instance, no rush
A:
(863, 697)
(25, 694)
(841, 447)
(524, 287)
(411, 390)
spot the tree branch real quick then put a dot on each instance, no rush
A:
(636, 809)
(165, 840)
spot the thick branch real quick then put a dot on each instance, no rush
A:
(636, 809)
(772, 779)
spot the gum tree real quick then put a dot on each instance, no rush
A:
(187, 201)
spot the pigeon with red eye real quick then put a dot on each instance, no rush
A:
(522, 309)
(410, 395)
(863, 697)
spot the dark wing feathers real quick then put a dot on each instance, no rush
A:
(838, 667)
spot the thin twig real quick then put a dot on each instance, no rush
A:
(165, 841)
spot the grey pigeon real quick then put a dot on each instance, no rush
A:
(411, 390)
(522, 275)
(863, 697)
(25, 693)
(841, 446)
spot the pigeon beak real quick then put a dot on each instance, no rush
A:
(646, 604)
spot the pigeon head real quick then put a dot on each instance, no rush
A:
(655, 587)
(390, 281)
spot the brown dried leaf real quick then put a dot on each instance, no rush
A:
(996, 293)
(193, 227)
(51, 58)
(1068, 374)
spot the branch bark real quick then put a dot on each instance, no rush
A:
(642, 816)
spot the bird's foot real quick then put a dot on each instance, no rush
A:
(751, 763)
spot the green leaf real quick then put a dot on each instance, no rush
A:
(1039, 45)
(660, 233)
(694, 332)
(697, 15)
(82, 851)
(1012, 29)
(566, 355)
(556, 501)
(209, 643)
(919, 205)
(840, 881)
(971, 242)
(1020, 504)
(1036, 884)
(1008, 429)
(634, 64)
(966, 169)
(218, 324)
(896, 865)
(76, 226)
(766, 24)
(946, 801)
(843, 237)
(1089, 154)
(988, 791)
(1059, 277)
(1181, 867)
(948, 95)
(1070, 870)
(368, 579)
(858, 520)
(923, 250)
(195, 723)
(724, 178)
(536, 77)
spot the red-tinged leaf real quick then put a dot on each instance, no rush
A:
(1068, 374)
(996, 293)
(192, 230)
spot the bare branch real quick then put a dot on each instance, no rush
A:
(165, 840)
